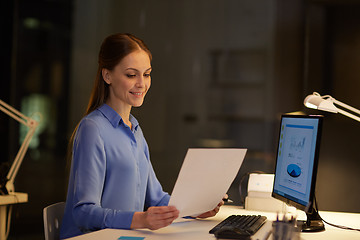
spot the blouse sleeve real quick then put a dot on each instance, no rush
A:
(155, 196)
(89, 166)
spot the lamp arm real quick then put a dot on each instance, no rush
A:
(15, 114)
(31, 124)
(349, 115)
(18, 160)
(357, 111)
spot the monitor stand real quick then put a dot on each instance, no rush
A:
(313, 222)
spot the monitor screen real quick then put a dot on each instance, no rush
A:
(297, 160)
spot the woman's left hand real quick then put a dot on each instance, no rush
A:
(211, 213)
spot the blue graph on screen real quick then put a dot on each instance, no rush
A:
(297, 144)
(294, 170)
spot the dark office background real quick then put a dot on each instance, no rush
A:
(224, 71)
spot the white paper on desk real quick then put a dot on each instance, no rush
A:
(204, 179)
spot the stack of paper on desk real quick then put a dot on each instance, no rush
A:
(204, 179)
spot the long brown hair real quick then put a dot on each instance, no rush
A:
(113, 49)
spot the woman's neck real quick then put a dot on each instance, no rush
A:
(123, 111)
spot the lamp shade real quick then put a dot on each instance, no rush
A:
(315, 101)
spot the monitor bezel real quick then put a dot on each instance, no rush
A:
(309, 207)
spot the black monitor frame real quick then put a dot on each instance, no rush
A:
(313, 222)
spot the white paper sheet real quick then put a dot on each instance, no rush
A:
(204, 179)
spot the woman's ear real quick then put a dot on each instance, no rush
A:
(106, 75)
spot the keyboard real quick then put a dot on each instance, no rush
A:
(238, 226)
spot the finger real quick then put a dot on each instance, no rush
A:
(163, 209)
(217, 209)
(172, 209)
(158, 214)
(168, 216)
(160, 223)
(207, 214)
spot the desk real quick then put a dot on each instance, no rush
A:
(198, 229)
(6, 200)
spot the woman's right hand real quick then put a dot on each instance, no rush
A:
(155, 217)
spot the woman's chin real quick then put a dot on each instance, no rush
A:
(138, 104)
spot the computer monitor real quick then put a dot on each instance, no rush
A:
(297, 164)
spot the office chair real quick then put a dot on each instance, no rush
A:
(53, 215)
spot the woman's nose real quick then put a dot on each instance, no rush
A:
(140, 82)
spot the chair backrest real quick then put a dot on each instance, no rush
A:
(53, 215)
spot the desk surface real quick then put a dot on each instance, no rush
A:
(198, 229)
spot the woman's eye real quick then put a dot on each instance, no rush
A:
(130, 75)
(147, 75)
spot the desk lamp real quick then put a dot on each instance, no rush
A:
(326, 103)
(8, 185)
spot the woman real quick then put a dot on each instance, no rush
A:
(112, 183)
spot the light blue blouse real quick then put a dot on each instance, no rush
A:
(111, 175)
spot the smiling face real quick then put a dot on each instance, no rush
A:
(129, 81)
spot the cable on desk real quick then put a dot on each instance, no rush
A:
(331, 224)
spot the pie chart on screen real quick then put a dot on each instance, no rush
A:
(294, 170)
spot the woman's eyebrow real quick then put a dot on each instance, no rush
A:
(134, 69)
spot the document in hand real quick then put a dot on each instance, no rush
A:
(204, 179)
